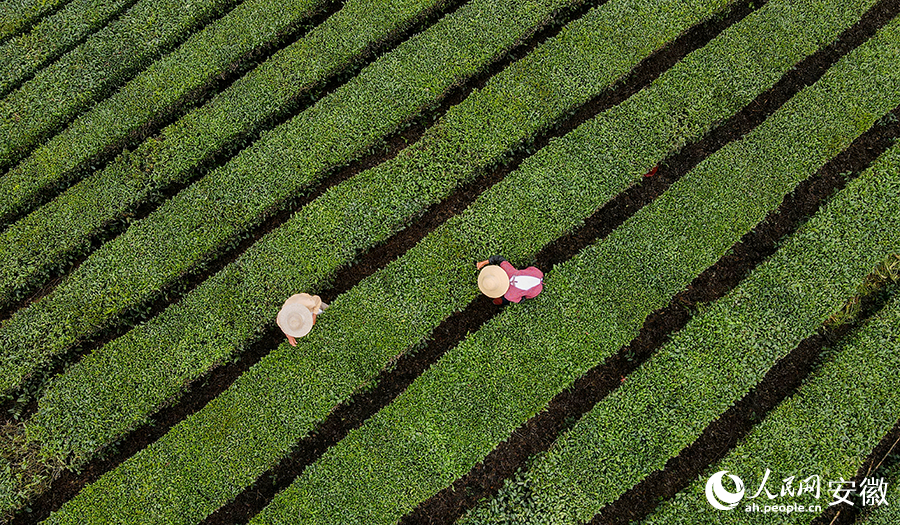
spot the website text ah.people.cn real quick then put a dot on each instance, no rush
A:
(869, 492)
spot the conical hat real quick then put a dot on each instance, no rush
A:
(294, 319)
(493, 281)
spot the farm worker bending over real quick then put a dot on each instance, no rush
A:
(298, 315)
(502, 282)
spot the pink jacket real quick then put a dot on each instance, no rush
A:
(515, 294)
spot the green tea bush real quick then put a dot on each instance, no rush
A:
(24, 55)
(93, 402)
(91, 71)
(56, 233)
(164, 85)
(218, 209)
(462, 407)
(17, 15)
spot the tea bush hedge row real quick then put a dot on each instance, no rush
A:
(274, 273)
(17, 15)
(93, 402)
(219, 208)
(59, 231)
(216, 210)
(718, 357)
(206, 54)
(8, 497)
(24, 55)
(846, 407)
(90, 71)
(461, 408)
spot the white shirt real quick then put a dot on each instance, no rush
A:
(524, 282)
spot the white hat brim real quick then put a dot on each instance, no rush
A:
(295, 320)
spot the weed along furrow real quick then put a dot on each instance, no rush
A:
(91, 71)
(164, 89)
(7, 485)
(879, 514)
(216, 210)
(847, 405)
(23, 56)
(456, 412)
(881, 464)
(281, 247)
(714, 361)
(18, 16)
(780, 382)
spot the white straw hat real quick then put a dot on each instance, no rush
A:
(294, 319)
(493, 281)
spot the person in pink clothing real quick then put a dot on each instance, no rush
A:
(501, 281)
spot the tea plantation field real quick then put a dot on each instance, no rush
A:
(711, 188)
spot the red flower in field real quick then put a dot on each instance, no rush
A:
(651, 172)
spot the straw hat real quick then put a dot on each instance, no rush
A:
(493, 281)
(295, 319)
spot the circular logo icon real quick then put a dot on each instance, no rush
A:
(720, 498)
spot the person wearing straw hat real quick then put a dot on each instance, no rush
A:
(298, 315)
(501, 281)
